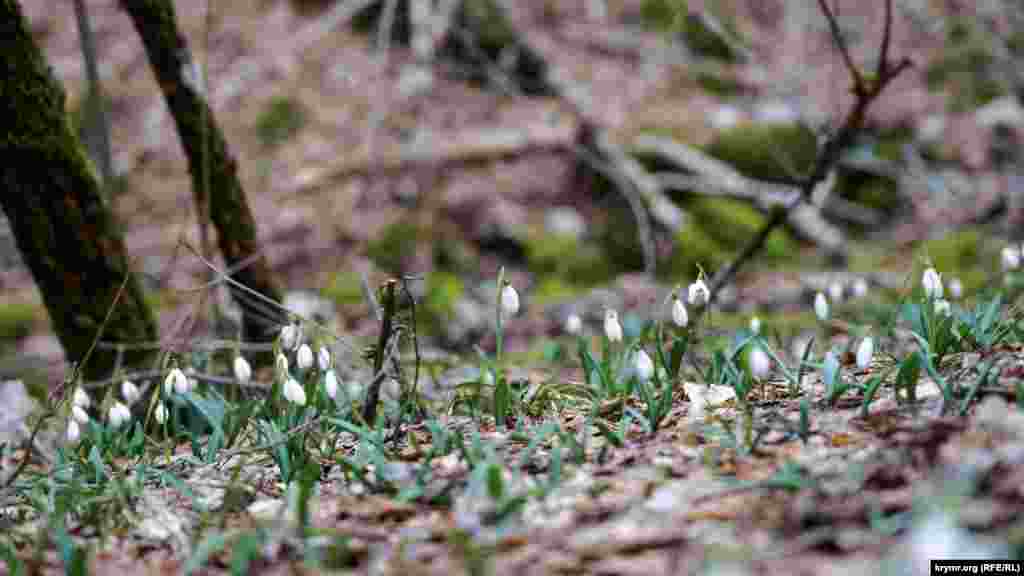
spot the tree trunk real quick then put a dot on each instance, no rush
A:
(66, 233)
(212, 166)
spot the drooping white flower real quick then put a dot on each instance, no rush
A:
(698, 293)
(331, 384)
(73, 432)
(612, 328)
(574, 324)
(931, 281)
(956, 288)
(129, 391)
(160, 413)
(679, 315)
(643, 366)
(281, 366)
(243, 371)
(304, 357)
(860, 288)
(290, 337)
(1010, 256)
(509, 301)
(81, 398)
(760, 363)
(865, 351)
(78, 414)
(294, 393)
(821, 306)
(118, 415)
(755, 325)
(943, 308)
(176, 381)
(835, 292)
(323, 358)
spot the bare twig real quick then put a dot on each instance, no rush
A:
(865, 93)
(386, 335)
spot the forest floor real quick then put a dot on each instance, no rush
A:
(576, 485)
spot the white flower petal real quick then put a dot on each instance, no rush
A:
(931, 281)
(304, 357)
(643, 366)
(331, 384)
(73, 432)
(573, 324)
(509, 301)
(821, 306)
(760, 363)
(865, 351)
(160, 413)
(679, 315)
(129, 391)
(612, 328)
(243, 371)
(79, 414)
(81, 398)
(323, 358)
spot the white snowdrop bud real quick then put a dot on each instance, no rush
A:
(755, 325)
(289, 337)
(509, 301)
(943, 308)
(760, 363)
(679, 315)
(73, 432)
(176, 381)
(78, 414)
(1010, 256)
(323, 358)
(821, 306)
(160, 413)
(612, 328)
(643, 366)
(129, 391)
(281, 366)
(860, 288)
(865, 351)
(81, 398)
(304, 357)
(835, 292)
(698, 293)
(331, 384)
(956, 288)
(243, 371)
(118, 415)
(574, 324)
(931, 281)
(294, 393)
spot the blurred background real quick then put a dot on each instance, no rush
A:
(442, 140)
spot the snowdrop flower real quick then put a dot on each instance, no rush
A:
(294, 393)
(612, 328)
(865, 351)
(1010, 256)
(304, 357)
(755, 325)
(176, 381)
(679, 315)
(243, 372)
(956, 288)
(290, 337)
(323, 358)
(643, 367)
(331, 384)
(932, 283)
(509, 301)
(81, 398)
(281, 366)
(821, 306)
(835, 292)
(860, 288)
(943, 307)
(78, 414)
(118, 414)
(698, 293)
(129, 391)
(74, 432)
(574, 324)
(760, 363)
(160, 413)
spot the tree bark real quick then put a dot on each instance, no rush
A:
(65, 232)
(217, 190)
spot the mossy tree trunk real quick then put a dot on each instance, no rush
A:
(217, 190)
(65, 232)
